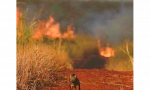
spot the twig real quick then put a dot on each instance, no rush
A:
(128, 53)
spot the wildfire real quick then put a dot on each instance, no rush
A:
(51, 30)
(48, 28)
(105, 51)
(45, 28)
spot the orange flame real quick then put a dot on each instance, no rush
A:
(48, 28)
(19, 22)
(69, 33)
(19, 16)
(52, 30)
(39, 31)
(106, 51)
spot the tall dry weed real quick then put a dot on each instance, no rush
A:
(39, 65)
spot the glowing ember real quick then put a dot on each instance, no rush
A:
(106, 51)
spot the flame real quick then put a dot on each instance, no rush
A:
(19, 16)
(39, 31)
(69, 33)
(48, 28)
(51, 30)
(105, 51)
(19, 22)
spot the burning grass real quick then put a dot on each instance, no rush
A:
(123, 60)
(19, 22)
(51, 30)
(105, 51)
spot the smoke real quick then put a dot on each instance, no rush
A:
(110, 26)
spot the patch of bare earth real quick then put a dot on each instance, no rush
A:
(98, 79)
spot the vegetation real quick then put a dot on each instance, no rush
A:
(39, 61)
(123, 59)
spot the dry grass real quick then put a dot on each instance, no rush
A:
(127, 52)
(123, 59)
(39, 65)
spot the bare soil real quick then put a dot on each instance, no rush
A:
(98, 79)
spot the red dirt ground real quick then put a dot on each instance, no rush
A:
(98, 79)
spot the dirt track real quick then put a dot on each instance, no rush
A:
(98, 79)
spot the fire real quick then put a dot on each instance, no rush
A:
(19, 16)
(19, 22)
(105, 51)
(69, 33)
(39, 30)
(48, 28)
(51, 30)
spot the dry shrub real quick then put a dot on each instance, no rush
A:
(39, 65)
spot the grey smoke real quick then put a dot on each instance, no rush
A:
(110, 26)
